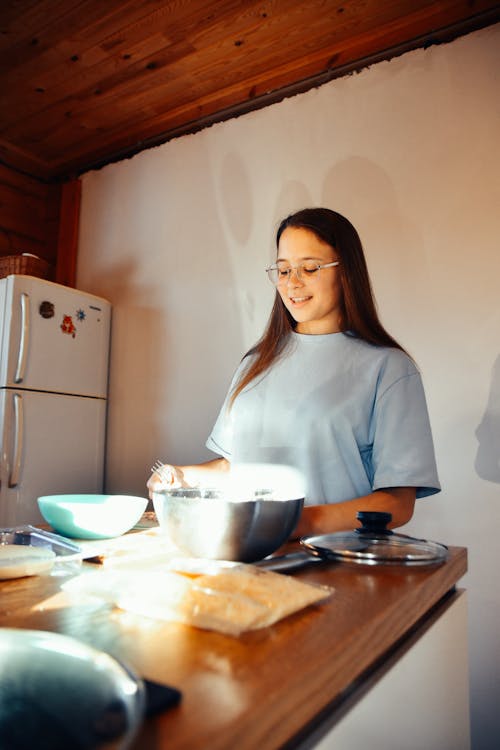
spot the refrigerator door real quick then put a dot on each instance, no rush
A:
(49, 444)
(53, 338)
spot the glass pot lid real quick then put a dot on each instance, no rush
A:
(374, 544)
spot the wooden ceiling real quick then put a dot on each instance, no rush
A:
(86, 82)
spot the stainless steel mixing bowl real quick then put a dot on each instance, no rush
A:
(214, 524)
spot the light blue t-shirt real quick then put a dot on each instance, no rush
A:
(351, 416)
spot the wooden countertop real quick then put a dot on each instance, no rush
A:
(259, 690)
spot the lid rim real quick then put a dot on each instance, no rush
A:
(401, 551)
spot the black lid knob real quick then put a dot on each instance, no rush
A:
(374, 522)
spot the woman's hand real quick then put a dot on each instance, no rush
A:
(172, 477)
(168, 477)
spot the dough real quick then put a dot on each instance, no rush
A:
(17, 560)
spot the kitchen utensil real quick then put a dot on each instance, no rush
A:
(207, 523)
(249, 515)
(372, 544)
(92, 516)
(60, 693)
(163, 470)
(157, 468)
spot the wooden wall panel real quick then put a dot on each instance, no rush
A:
(29, 215)
(40, 218)
(67, 243)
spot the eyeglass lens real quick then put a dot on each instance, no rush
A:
(280, 274)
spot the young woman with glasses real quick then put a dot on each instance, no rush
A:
(326, 389)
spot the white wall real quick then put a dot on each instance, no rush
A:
(178, 237)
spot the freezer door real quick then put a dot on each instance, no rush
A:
(50, 444)
(54, 338)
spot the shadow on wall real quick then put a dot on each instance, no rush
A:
(137, 335)
(487, 463)
(363, 191)
(236, 201)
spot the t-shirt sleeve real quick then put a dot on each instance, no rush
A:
(220, 440)
(403, 449)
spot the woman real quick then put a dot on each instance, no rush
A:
(326, 389)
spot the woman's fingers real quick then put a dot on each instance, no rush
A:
(168, 477)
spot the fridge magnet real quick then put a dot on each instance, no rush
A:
(80, 314)
(46, 309)
(67, 326)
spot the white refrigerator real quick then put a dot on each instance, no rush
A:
(54, 351)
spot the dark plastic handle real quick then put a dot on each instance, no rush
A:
(374, 522)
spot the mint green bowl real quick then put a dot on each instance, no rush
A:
(92, 516)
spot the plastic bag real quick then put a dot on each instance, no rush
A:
(230, 599)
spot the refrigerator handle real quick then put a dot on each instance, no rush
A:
(24, 339)
(18, 440)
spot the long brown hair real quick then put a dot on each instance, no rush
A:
(358, 317)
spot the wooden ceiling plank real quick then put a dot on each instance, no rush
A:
(172, 118)
(22, 18)
(217, 69)
(39, 69)
(192, 59)
(220, 56)
(142, 129)
(29, 33)
(273, 21)
(73, 83)
(39, 76)
(42, 89)
(74, 20)
(91, 21)
(221, 71)
(41, 98)
(110, 31)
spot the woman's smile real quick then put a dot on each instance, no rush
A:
(299, 301)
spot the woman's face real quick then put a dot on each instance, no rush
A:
(314, 300)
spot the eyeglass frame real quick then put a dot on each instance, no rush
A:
(297, 270)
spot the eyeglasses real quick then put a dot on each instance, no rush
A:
(279, 274)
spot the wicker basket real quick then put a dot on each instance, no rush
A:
(27, 265)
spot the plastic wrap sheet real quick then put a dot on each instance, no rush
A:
(228, 598)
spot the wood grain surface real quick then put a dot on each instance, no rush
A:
(261, 689)
(86, 82)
